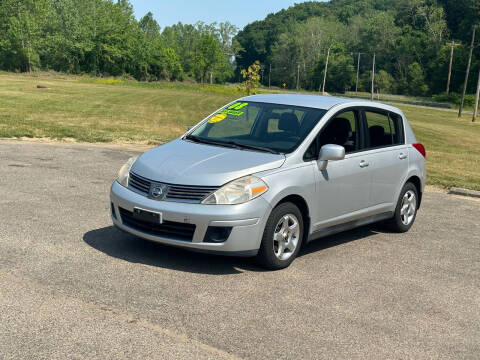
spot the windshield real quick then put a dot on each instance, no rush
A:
(258, 126)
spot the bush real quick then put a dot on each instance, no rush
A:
(109, 81)
(455, 98)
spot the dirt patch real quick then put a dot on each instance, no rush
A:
(138, 146)
(436, 189)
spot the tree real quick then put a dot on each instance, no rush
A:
(380, 32)
(172, 69)
(257, 38)
(461, 16)
(207, 56)
(341, 71)
(203, 49)
(22, 22)
(304, 45)
(384, 82)
(103, 37)
(435, 23)
(226, 32)
(251, 78)
(416, 80)
(150, 27)
(437, 70)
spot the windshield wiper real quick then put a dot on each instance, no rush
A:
(232, 144)
(211, 142)
(253, 147)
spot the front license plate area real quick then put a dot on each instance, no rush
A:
(147, 216)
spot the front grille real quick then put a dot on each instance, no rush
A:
(180, 193)
(190, 193)
(168, 229)
(139, 183)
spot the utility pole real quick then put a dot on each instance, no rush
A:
(373, 78)
(95, 37)
(452, 45)
(358, 71)
(269, 76)
(468, 70)
(298, 76)
(325, 72)
(477, 95)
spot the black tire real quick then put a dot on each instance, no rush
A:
(266, 256)
(396, 224)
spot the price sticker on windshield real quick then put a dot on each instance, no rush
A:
(217, 118)
(232, 110)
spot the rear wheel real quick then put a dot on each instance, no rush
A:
(282, 237)
(406, 210)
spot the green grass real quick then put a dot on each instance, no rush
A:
(453, 146)
(96, 111)
(105, 110)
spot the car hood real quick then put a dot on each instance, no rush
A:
(187, 163)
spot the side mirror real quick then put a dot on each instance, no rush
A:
(330, 152)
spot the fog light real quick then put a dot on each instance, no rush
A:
(112, 208)
(217, 234)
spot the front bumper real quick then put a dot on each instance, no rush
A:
(247, 221)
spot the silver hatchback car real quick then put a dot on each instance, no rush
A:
(267, 173)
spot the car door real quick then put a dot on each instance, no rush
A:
(343, 188)
(385, 143)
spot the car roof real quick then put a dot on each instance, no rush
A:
(312, 101)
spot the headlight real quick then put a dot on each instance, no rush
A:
(125, 171)
(237, 191)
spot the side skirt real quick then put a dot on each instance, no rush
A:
(335, 229)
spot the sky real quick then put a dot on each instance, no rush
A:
(237, 12)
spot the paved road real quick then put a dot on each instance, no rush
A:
(394, 103)
(71, 286)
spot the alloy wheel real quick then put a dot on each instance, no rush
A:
(408, 208)
(286, 237)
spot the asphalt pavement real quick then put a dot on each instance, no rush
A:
(73, 287)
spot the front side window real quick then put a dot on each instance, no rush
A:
(384, 129)
(258, 126)
(341, 130)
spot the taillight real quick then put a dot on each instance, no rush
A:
(421, 149)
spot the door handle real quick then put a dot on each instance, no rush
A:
(364, 164)
(402, 156)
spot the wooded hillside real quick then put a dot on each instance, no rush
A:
(103, 37)
(411, 39)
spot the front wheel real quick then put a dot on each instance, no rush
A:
(282, 237)
(406, 210)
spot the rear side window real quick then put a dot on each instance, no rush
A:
(384, 129)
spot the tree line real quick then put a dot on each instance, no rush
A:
(411, 40)
(103, 37)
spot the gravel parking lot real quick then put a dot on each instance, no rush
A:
(72, 286)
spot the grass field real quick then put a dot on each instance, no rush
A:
(98, 110)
